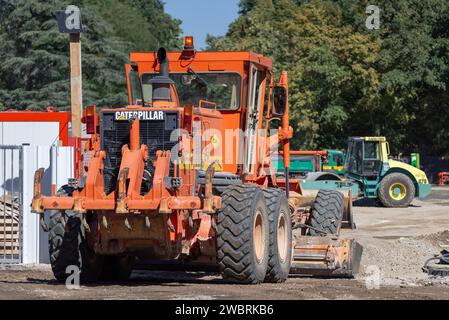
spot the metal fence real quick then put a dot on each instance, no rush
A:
(11, 203)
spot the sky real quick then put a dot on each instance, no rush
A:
(202, 17)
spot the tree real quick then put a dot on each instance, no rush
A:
(35, 57)
(142, 23)
(331, 67)
(245, 6)
(346, 80)
(413, 68)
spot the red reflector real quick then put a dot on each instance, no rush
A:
(90, 124)
(188, 122)
(90, 119)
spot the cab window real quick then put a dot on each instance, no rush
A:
(355, 157)
(371, 163)
(372, 150)
(222, 88)
(136, 92)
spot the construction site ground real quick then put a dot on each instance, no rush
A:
(396, 244)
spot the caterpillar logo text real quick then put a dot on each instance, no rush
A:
(141, 115)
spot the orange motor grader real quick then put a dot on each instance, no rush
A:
(184, 173)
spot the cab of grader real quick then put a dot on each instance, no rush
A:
(183, 173)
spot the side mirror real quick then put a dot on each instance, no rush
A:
(279, 101)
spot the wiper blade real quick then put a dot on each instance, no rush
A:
(190, 70)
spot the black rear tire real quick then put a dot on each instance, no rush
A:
(280, 251)
(403, 182)
(243, 235)
(327, 213)
(68, 247)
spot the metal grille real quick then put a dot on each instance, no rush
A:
(114, 134)
(11, 199)
(155, 134)
(113, 140)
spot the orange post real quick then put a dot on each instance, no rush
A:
(134, 138)
(283, 81)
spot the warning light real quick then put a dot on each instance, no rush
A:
(188, 43)
(189, 49)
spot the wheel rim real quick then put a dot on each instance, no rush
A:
(398, 191)
(282, 239)
(258, 237)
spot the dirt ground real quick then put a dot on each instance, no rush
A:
(396, 244)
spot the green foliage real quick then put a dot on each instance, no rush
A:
(331, 66)
(143, 23)
(346, 80)
(35, 69)
(246, 6)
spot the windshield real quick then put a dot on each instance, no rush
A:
(354, 157)
(372, 150)
(221, 88)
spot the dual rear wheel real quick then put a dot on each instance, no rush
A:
(254, 227)
(254, 235)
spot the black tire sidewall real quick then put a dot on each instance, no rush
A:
(68, 246)
(58, 243)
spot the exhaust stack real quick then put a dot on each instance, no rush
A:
(163, 62)
(161, 83)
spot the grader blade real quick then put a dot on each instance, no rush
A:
(326, 257)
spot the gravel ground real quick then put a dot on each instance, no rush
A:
(396, 243)
(36, 283)
(400, 261)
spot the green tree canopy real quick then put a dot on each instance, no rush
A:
(331, 66)
(35, 70)
(347, 80)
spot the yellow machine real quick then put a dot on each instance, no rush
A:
(395, 183)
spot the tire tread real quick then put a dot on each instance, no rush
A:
(327, 212)
(234, 245)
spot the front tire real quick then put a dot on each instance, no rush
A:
(327, 213)
(396, 190)
(243, 235)
(280, 251)
(68, 247)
